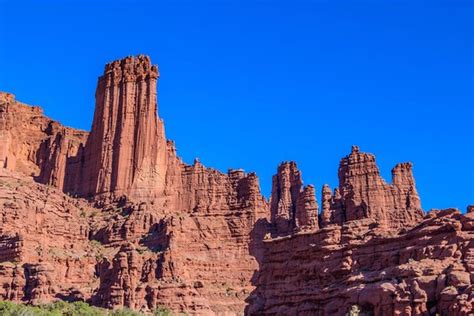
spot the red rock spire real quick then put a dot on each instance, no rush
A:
(286, 186)
(292, 206)
(364, 194)
(125, 153)
(306, 214)
(326, 213)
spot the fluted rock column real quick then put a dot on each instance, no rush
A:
(402, 178)
(5, 100)
(286, 187)
(326, 196)
(292, 206)
(306, 215)
(126, 151)
(55, 151)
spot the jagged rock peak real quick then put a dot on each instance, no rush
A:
(132, 68)
(402, 174)
(291, 205)
(286, 186)
(306, 214)
(326, 196)
(364, 194)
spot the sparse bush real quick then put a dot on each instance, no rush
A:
(62, 308)
(162, 311)
(125, 312)
(95, 243)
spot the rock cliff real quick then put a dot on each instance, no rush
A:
(160, 231)
(34, 145)
(114, 217)
(375, 252)
(362, 193)
(358, 268)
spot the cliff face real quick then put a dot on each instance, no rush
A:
(340, 270)
(114, 217)
(166, 233)
(34, 145)
(45, 251)
(374, 252)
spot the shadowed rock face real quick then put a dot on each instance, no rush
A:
(116, 218)
(427, 270)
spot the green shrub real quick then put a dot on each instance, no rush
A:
(125, 312)
(59, 308)
(162, 311)
(62, 308)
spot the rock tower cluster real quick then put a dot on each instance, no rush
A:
(115, 218)
(362, 193)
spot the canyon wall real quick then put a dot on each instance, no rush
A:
(159, 231)
(357, 269)
(114, 217)
(374, 251)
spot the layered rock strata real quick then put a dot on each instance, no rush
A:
(34, 145)
(292, 206)
(125, 154)
(358, 269)
(116, 218)
(195, 229)
(362, 193)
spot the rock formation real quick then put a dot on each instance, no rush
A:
(194, 228)
(427, 270)
(292, 205)
(306, 213)
(375, 253)
(114, 217)
(364, 194)
(34, 145)
(125, 154)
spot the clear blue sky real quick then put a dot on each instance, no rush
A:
(250, 84)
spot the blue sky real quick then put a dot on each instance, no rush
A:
(251, 84)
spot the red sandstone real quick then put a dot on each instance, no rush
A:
(115, 218)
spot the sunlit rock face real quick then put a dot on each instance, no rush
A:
(114, 217)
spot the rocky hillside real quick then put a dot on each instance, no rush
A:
(115, 218)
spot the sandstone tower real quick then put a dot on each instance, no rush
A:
(125, 153)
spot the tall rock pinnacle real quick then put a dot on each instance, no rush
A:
(306, 213)
(285, 190)
(364, 194)
(125, 153)
(292, 206)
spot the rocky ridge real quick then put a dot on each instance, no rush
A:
(115, 218)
